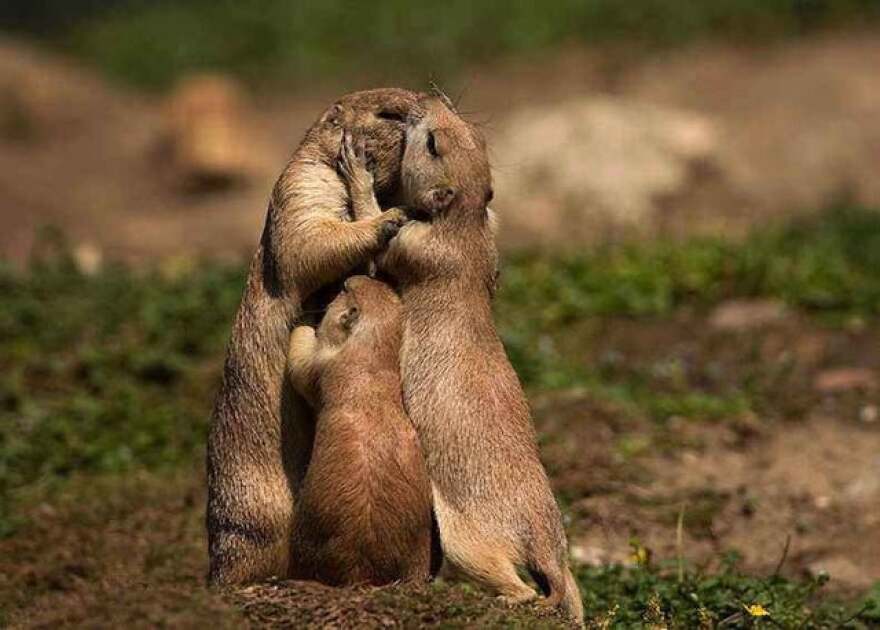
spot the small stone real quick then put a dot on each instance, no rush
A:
(741, 315)
(822, 502)
(869, 414)
(590, 556)
(842, 571)
(88, 258)
(844, 379)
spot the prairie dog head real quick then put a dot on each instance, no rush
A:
(363, 309)
(447, 183)
(445, 164)
(378, 118)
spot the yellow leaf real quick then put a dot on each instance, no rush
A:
(756, 610)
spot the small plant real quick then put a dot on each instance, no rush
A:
(648, 596)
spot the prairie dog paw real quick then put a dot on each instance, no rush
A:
(390, 223)
(352, 163)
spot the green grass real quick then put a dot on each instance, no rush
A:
(653, 597)
(151, 43)
(827, 265)
(116, 371)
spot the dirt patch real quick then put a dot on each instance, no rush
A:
(794, 461)
(110, 553)
(794, 127)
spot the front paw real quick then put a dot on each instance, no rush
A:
(352, 164)
(390, 223)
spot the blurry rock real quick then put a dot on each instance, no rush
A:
(595, 163)
(842, 571)
(869, 414)
(594, 556)
(865, 488)
(844, 379)
(741, 315)
(41, 94)
(88, 258)
(207, 132)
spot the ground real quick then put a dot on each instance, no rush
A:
(750, 421)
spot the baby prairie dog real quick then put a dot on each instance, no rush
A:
(261, 431)
(492, 498)
(364, 513)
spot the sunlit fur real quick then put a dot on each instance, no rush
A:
(261, 431)
(492, 498)
(365, 503)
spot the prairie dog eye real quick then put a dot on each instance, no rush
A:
(432, 144)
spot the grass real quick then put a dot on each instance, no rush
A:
(114, 373)
(661, 598)
(149, 44)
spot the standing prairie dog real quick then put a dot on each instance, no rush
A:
(364, 510)
(261, 431)
(492, 498)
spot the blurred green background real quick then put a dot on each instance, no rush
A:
(150, 43)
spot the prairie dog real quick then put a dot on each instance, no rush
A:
(493, 502)
(364, 510)
(261, 431)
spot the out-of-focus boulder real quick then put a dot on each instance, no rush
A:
(844, 379)
(594, 165)
(207, 132)
(746, 315)
(41, 96)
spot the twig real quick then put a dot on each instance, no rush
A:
(679, 543)
(784, 555)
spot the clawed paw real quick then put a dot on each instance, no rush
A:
(353, 163)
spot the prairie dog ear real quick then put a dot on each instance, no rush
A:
(440, 142)
(333, 116)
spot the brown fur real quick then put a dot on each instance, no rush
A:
(492, 498)
(261, 431)
(364, 510)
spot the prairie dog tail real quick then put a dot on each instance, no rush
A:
(561, 589)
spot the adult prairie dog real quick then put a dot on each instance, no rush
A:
(364, 509)
(261, 432)
(492, 498)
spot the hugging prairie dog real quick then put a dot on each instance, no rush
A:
(493, 502)
(364, 509)
(261, 432)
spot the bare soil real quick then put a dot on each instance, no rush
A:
(797, 123)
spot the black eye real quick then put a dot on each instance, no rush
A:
(432, 145)
(490, 195)
(395, 116)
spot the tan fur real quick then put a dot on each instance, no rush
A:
(261, 431)
(492, 498)
(365, 503)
